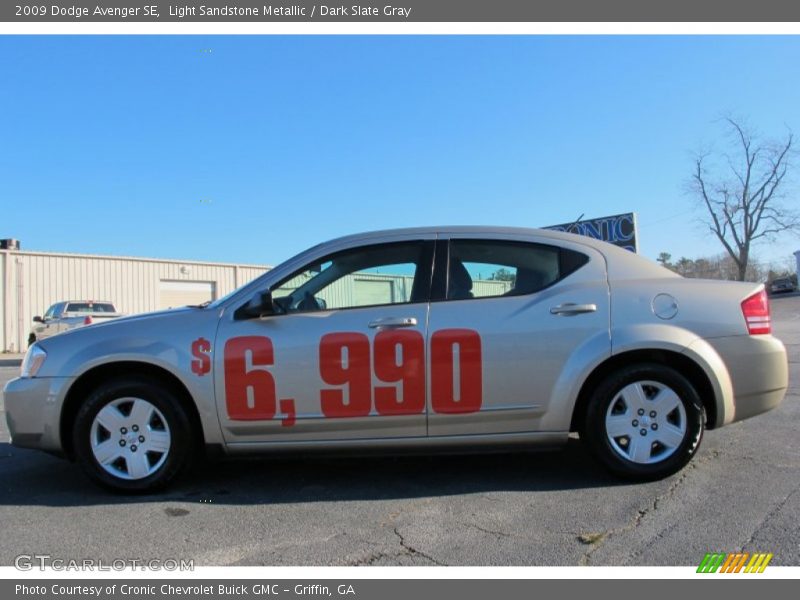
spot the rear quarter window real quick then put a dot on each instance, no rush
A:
(496, 268)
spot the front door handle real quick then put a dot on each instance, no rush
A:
(393, 322)
(570, 309)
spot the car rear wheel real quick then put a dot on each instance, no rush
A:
(644, 422)
(132, 435)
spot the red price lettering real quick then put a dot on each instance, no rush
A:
(202, 362)
(344, 360)
(249, 389)
(288, 409)
(445, 398)
(409, 369)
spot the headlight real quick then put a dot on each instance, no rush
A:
(34, 359)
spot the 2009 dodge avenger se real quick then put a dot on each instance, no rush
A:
(438, 338)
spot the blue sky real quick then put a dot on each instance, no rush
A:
(252, 148)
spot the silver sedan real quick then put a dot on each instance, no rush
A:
(434, 338)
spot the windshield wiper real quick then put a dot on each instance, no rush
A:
(203, 305)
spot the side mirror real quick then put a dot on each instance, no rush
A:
(38, 319)
(259, 305)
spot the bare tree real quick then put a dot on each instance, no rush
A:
(743, 200)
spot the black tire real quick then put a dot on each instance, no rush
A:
(31, 340)
(615, 453)
(175, 422)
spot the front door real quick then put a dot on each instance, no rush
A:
(340, 357)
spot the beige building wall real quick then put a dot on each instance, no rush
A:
(31, 281)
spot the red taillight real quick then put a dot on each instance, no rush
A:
(87, 321)
(756, 313)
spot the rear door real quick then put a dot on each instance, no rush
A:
(514, 320)
(72, 316)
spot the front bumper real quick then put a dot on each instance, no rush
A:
(759, 372)
(33, 411)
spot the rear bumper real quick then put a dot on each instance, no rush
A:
(758, 369)
(33, 411)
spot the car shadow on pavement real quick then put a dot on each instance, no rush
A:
(29, 478)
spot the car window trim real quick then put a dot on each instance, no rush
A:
(443, 272)
(424, 273)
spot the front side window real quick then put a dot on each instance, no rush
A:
(494, 268)
(397, 273)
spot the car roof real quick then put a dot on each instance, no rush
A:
(622, 264)
(476, 229)
(481, 229)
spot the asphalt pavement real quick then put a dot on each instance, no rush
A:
(741, 492)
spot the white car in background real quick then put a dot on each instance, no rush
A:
(71, 314)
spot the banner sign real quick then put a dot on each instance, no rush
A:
(375, 11)
(619, 230)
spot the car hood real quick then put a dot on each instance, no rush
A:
(155, 314)
(152, 337)
(144, 323)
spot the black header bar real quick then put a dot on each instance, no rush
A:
(253, 11)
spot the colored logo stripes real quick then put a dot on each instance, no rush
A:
(734, 563)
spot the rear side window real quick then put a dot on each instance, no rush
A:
(493, 268)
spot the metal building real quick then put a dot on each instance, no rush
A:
(31, 281)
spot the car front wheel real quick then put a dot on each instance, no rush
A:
(132, 436)
(644, 422)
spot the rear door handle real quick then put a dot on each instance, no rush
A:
(393, 322)
(570, 309)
